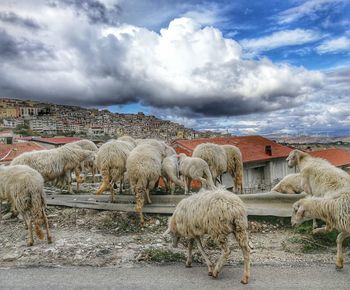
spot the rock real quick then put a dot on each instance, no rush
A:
(7, 216)
(10, 257)
(157, 222)
(80, 222)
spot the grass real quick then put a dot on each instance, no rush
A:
(162, 256)
(312, 243)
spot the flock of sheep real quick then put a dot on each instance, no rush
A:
(214, 211)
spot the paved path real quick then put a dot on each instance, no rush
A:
(175, 277)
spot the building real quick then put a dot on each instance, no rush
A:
(338, 157)
(264, 160)
(8, 112)
(10, 151)
(54, 142)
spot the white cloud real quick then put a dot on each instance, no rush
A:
(184, 66)
(335, 45)
(309, 8)
(280, 39)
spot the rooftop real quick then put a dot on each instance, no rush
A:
(57, 140)
(252, 147)
(336, 156)
(10, 151)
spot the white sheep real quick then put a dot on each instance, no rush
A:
(216, 213)
(55, 164)
(215, 156)
(289, 184)
(128, 139)
(170, 173)
(318, 176)
(23, 187)
(235, 165)
(334, 209)
(144, 166)
(111, 162)
(193, 168)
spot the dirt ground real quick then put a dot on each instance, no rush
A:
(84, 237)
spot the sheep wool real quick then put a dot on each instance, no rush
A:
(217, 213)
(23, 187)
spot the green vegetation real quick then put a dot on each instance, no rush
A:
(311, 243)
(162, 256)
(24, 130)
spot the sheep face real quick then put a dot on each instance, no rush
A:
(292, 159)
(172, 231)
(300, 213)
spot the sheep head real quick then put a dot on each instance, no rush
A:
(300, 212)
(172, 231)
(295, 157)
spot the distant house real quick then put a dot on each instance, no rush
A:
(10, 151)
(338, 157)
(264, 160)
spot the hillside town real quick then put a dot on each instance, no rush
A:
(51, 119)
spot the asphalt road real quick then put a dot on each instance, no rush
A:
(175, 277)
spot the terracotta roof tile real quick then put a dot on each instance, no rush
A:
(336, 156)
(10, 151)
(252, 147)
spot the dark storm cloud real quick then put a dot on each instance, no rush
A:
(13, 18)
(96, 11)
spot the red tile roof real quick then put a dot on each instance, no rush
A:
(57, 140)
(336, 156)
(9, 151)
(252, 147)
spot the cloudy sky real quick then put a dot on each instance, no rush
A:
(244, 67)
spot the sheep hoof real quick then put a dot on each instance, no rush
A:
(244, 280)
(29, 244)
(49, 240)
(188, 265)
(339, 267)
(210, 273)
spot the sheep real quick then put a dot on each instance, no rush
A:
(54, 164)
(144, 166)
(193, 168)
(91, 146)
(165, 149)
(235, 165)
(318, 176)
(111, 162)
(334, 209)
(170, 172)
(217, 213)
(289, 184)
(23, 187)
(215, 156)
(128, 139)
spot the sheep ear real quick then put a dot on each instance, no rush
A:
(301, 211)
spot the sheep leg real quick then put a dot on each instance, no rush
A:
(340, 257)
(324, 230)
(69, 181)
(186, 185)
(189, 253)
(147, 196)
(224, 255)
(78, 178)
(314, 224)
(242, 239)
(139, 195)
(48, 232)
(189, 180)
(104, 186)
(28, 222)
(172, 187)
(205, 256)
(204, 182)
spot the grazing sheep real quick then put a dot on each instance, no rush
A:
(193, 168)
(23, 187)
(216, 213)
(215, 156)
(334, 209)
(318, 176)
(235, 165)
(111, 162)
(128, 139)
(170, 172)
(289, 184)
(165, 149)
(55, 164)
(144, 166)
